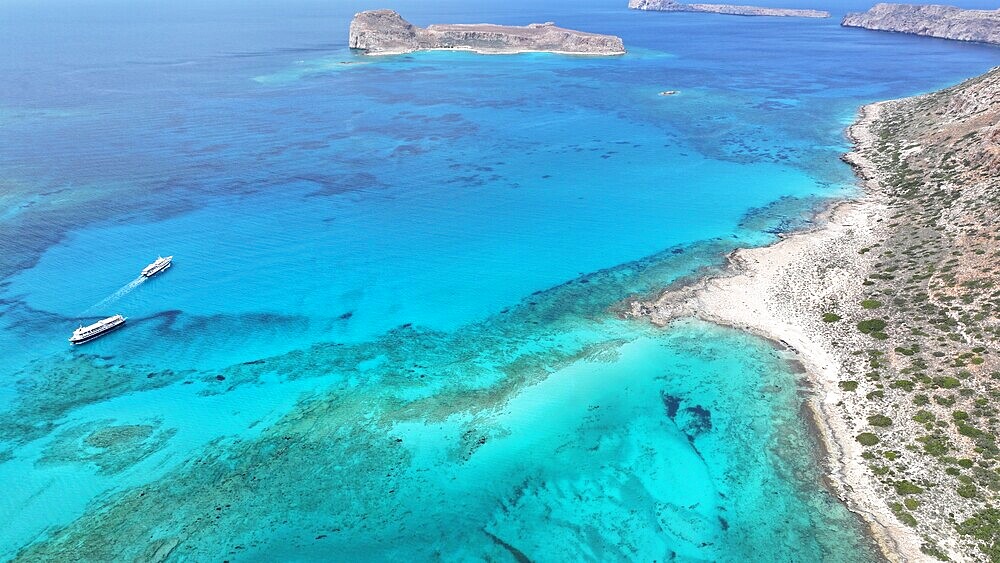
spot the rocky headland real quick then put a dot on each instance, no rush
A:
(946, 22)
(892, 305)
(385, 32)
(728, 9)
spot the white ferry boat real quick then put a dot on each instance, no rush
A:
(100, 328)
(157, 266)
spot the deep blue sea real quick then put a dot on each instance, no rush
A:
(390, 332)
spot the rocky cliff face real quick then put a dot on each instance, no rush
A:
(728, 9)
(946, 22)
(383, 32)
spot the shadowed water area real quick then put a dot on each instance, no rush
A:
(390, 331)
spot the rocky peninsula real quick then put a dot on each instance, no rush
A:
(946, 22)
(385, 32)
(892, 305)
(728, 9)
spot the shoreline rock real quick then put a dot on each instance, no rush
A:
(726, 9)
(385, 32)
(944, 22)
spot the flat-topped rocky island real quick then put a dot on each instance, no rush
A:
(727, 9)
(945, 22)
(385, 32)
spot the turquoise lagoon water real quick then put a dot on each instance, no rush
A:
(390, 331)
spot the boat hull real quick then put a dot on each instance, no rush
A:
(95, 336)
(152, 273)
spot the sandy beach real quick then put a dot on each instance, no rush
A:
(776, 292)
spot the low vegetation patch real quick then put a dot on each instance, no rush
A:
(867, 439)
(904, 516)
(907, 488)
(872, 326)
(984, 526)
(880, 420)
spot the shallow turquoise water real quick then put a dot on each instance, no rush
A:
(428, 248)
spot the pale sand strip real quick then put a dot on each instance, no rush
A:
(779, 292)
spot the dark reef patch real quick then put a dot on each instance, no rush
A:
(784, 215)
(336, 184)
(698, 421)
(48, 389)
(670, 403)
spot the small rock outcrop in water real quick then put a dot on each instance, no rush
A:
(946, 22)
(384, 32)
(729, 9)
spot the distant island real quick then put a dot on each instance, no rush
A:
(385, 32)
(728, 9)
(946, 22)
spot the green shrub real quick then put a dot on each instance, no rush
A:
(984, 526)
(934, 551)
(934, 445)
(901, 513)
(872, 325)
(970, 431)
(911, 503)
(907, 488)
(904, 384)
(966, 490)
(944, 400)
(830, 317)
(923, 417)
(879, 420)
(867, 439)
(849, 385)
(946, 382)
(871, 304)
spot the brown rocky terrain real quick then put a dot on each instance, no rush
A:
(385, 32)
(728, 9)
(946, 22)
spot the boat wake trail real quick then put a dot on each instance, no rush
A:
(121, 292)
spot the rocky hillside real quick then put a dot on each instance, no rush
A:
(383, 32)
(932, 309)
(946, 22)
(728, 9)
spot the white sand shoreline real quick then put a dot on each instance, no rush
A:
(778, 292)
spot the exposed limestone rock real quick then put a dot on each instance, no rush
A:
(385, 32)
(946, 22)
(728, 9)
